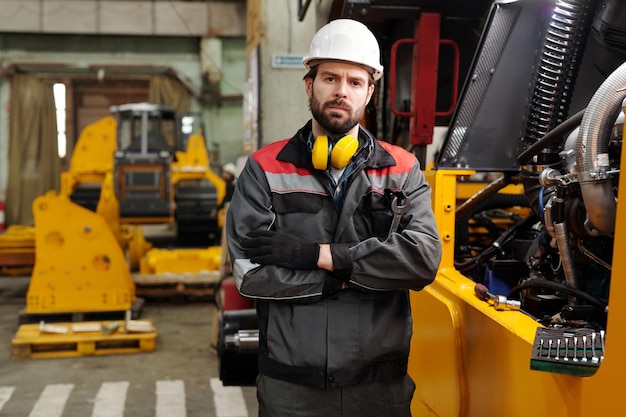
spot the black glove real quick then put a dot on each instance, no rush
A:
(267, 247)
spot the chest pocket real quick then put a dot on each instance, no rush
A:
(305, 214)
(375, 215)
(297, 203)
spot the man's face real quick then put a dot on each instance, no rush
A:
(338, 96)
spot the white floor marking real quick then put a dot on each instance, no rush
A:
(170, 399)
(52, 401)
(5, 395)
(110, 400)
(229, 401)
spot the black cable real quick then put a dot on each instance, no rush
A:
(495, 248)
(542, 283)
(556, 133)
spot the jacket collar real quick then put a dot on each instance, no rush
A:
(297, 150)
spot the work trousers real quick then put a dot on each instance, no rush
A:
(378, 399)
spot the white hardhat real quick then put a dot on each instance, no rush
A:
(230, 168)
(345, 40)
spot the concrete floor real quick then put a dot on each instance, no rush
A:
(179, 379)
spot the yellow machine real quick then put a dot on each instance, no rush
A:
(89, 237)
(157, 164)
(469, 357)
(517, 321)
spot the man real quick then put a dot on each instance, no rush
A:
(312, 237)
(228, 174)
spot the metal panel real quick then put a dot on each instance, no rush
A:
(487, 126)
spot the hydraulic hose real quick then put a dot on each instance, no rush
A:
(495, 201)
(495, 248)
(537, 194)
(552, 285)
(551, 137)
(490, 190)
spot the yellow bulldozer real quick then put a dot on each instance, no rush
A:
(143, 165)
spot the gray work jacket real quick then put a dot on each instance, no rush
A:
(311, 330)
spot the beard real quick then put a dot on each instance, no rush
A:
(332, 122)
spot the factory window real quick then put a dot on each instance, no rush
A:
(59, 101)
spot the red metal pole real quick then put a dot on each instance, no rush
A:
(424, 79)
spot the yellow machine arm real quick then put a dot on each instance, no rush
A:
(92, 157)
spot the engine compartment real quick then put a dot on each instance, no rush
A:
(550, 247)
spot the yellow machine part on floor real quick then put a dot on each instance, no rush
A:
(79, 266)
(468, 359)
(17, 250)
(181, 261)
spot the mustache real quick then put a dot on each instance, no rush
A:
(338, 103)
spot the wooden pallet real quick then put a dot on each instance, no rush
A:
(199, 285)
(31, 342)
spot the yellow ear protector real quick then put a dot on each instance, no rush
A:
(338, 155)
